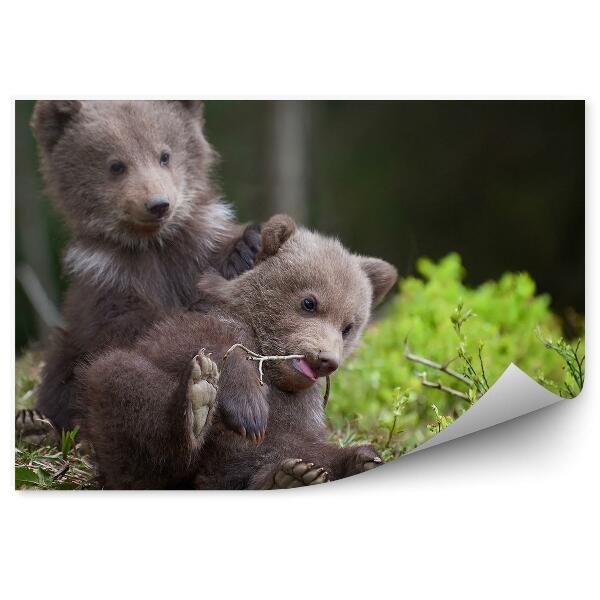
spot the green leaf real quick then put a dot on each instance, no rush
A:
(25, 475)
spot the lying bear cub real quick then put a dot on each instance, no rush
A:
(154, 412)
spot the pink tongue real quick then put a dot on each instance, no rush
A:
(304, 367)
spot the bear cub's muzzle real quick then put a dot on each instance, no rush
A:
(321, 365)
(158, 207)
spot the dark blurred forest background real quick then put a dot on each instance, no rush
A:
(500, 182)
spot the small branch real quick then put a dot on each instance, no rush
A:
(391, 433)
(569, 390)
(485, 381)
(437, 366)
(327, 391)
(259, 358)
(61, 472)
(437, 385)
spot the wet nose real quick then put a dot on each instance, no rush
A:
(157, 206)
(328, 363)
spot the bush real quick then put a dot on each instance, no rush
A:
(476, 332)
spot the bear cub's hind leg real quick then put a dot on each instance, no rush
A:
(202, 392)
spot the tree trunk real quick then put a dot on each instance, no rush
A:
(289, 159)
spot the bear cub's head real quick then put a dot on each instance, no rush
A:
(307, 295)
(124, 171)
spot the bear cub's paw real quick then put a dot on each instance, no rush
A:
(244, 253)
(364, 458)
(295, 472)
(246, 414)
(202, 391)
(33, 428)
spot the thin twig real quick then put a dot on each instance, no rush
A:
(437, 366)
(439, 386)
(327, 391)
(485, 381)
(259, 358)
(393, 427)
(477, 382)
(61, 472)
(569, 390)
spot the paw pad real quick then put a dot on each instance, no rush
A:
(294, 472)
(202, 390)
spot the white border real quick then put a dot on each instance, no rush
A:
(510, 512)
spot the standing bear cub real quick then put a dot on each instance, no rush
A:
(133, 180)
(153, 413)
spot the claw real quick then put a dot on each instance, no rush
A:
(322, 478)
(31, 426)
(311, 475)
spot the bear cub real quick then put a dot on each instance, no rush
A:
(153, 413)
(133, 180)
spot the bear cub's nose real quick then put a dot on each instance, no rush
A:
(328, 363)
(158, 206)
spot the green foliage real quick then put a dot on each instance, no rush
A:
(574, 372)
(51, 466)
(68, 442)
(473, 333)
(441, 421)
(402, 399)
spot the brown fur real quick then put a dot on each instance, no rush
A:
(135, 410)
(128, 267)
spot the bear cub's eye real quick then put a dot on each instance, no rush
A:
(309, 304)
(165, 157)
(347, 329)
(117, 167)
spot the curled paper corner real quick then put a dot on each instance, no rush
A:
(513, 395)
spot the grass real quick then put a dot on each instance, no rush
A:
(56, 464)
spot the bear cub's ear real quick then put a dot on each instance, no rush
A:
(193, 107)
(50, 117)
(275, 232)
(381, 274)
